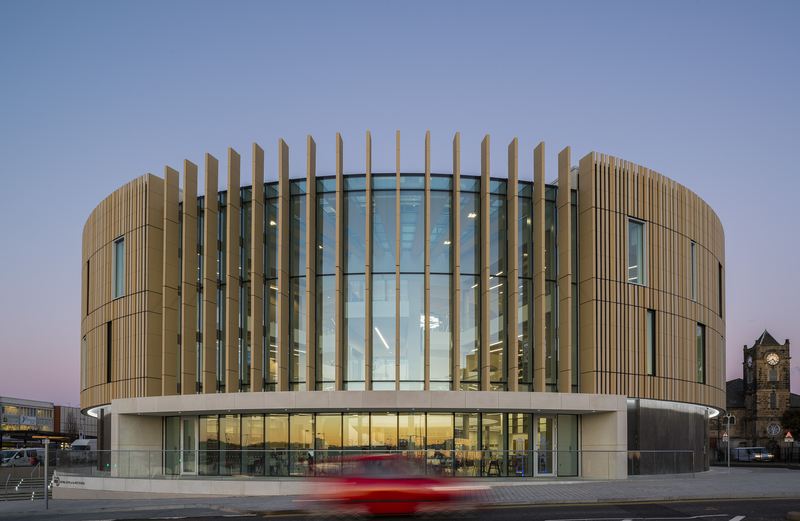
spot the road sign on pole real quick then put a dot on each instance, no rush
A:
(788, 438)
(725, 437)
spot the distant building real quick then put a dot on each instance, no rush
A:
(28, 421)
(758, 400)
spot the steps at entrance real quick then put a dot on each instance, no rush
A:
(20, 489)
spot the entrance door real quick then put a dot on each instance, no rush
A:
(544, 444)
(189, 446)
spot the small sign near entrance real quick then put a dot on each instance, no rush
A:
(725, 437)
(788, 438)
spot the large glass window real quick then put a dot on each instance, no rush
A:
(356, 431)
(277, 442)
(636, 252)
(551, 336)
(470, 333)
(271, 238)
(412, 332)
(355, 229)
(384, 431)
(525, 318)
(525, 334)
(230, 445)
(326, 333)
(301, 437)
(253, 444)
(441, 351)
(441, 232)
(497, 332)
(411, 433)
(299, 329)
(208, 456)
(384, 221)
(270, 352)
(384, 308)
(651, 342)
(326, 234)
(412, 231)
(520, 462)
(297, 257)
(551, 288)
(118, 282)
(470, 233)
(328, 441)
(354, 328)
(701, 353)
(493, 443)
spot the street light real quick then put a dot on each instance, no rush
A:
(728, 417)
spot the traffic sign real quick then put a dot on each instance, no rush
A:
(725, 436)
(788, 438)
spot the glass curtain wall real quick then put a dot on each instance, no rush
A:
(269, 335)
(326, 285)
(298, 326)
(525, 290)
(384, 283)
(411, 316)
(551, 289)
(470, 263)
(354, 248)
(498, 290)
(460, 444)
(441, 284)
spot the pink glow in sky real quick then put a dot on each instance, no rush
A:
(95, 94)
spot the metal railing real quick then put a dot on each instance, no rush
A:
(285, 463)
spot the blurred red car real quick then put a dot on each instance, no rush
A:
(392, 484)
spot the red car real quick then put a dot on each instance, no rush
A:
(392, 484)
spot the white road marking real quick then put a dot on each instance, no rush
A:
(739, 518)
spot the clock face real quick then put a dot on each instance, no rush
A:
(773, 358)
(773, 429)
(749, 361)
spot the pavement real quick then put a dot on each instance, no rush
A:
(717, 483)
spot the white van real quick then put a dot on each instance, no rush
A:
(21, 457)
(84, 444)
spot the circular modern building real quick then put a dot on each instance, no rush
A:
(501, 325)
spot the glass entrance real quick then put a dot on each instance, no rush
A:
(545, 457)
(189, 446)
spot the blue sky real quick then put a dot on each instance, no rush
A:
(94, 94)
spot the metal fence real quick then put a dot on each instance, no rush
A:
(279, 463)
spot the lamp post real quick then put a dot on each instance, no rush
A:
(46, 463)
(728, 417)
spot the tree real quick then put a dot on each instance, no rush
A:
(71, 423)
(791, 420)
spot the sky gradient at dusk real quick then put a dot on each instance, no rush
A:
(95, 94)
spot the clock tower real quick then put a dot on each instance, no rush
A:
(766, 389)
